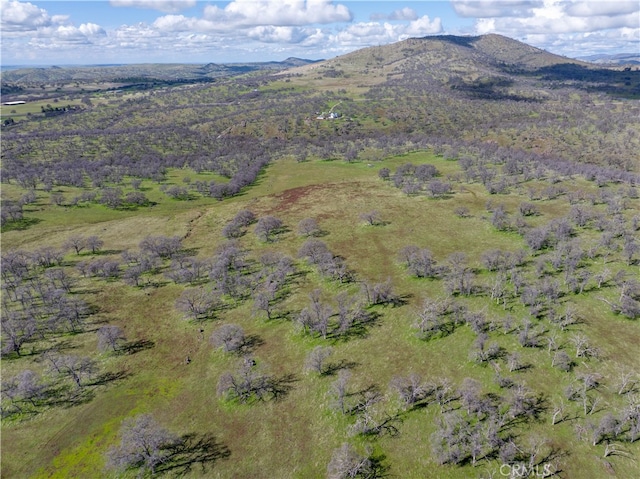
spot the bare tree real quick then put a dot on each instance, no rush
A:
(75, 242)
(110, 336)
(77, 368)
(247, 383)
(229, 337)
(309, 227)
(346, 463)
(411, 389)
(339, 392)
(316, 359)
(162, 246)
(267, 227)
(144, 445)
(198, 303)
(627, 380)
(94, 244)
(16, 331)
(559, 411)
(372, 218)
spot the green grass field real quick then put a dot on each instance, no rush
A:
(294, 436)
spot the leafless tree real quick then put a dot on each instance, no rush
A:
(77, 368)
(267, 227)
(247, 383)
(339, 390)
(144, 445)
(411, 388)
(346, 463)
(372, 218)
(309, 227)
(316, 359)
(76, 242)
(110, 336)
(94, 243)
(197, 303)
(228, 337)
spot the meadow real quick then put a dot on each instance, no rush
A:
(450, 309)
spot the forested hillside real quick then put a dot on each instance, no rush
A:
(416, 260)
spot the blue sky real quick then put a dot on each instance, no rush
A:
(45, 32)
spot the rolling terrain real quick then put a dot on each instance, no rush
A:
(414, 260)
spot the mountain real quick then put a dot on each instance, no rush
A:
(450, 54)
(617, 59)
(472, 61)
(30, 76)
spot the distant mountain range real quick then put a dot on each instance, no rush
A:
(486, 65)
(618, 59)
(27, 76)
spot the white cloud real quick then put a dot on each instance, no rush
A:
(167, 6)
(570, 27)
(278, 12)
(591, 8)
(375, 33)
(582, 44)
(555, 16)
(271, 34)
(91, 30)
(424, 26)
(71, 35)
(60, 19)
(22, 17)
(180, 23)
(493, 8)
(405, 13)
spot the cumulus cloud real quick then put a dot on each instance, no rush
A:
(272, 34)
(85, 34)
(559, 16)
(405, 13)
(167, 6)
(494, 8)
(278, 12)
(582, 44)
(372, 33)
(592, 8)
(423, 26)
(22, 17)
(570, 27)
(180, 23)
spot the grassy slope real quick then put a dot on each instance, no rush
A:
(293, 437)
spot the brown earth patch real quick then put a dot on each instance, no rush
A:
(295, 196)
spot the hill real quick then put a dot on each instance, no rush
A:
(473, 58)
(417, 260)
(617, 59)
(111, 73)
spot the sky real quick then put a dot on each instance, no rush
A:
(48, 32)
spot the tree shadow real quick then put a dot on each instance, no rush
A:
(332, 368)
(19, 225)
(67, 397)
(379, 469)
(108, 377)
(133, 347)
(400, 300)
(192, 450)
(105, 252)
(250, 344)
(359, 328)
(280, 387)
